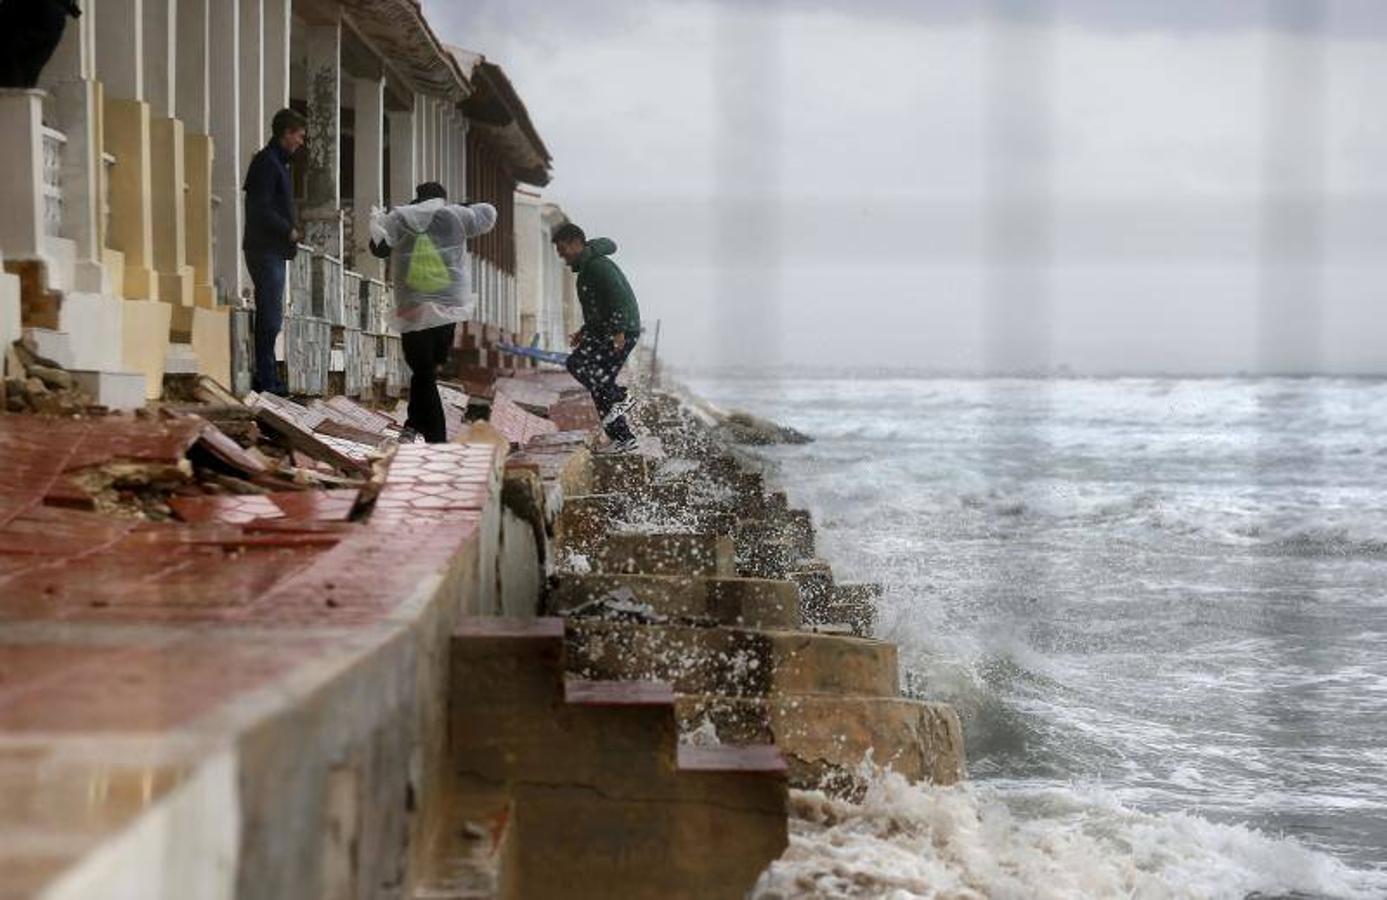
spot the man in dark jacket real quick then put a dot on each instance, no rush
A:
(611, 326)
(271, 238)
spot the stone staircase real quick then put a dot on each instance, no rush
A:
(743, 622)
(83, 331)
(573, 787)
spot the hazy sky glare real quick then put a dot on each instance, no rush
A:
(823, 182)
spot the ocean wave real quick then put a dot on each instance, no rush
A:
(1323, 541)
(975, 841)
(1262, 530)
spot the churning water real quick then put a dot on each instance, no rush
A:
(1159, 605)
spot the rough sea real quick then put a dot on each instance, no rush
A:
(1159, 605)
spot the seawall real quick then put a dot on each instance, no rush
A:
(506, 669)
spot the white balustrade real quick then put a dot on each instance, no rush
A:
(54, 142)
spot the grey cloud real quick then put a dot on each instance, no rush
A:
(604, 18)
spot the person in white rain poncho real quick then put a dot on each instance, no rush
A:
(426, 241)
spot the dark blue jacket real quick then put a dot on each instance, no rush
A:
(270, 213)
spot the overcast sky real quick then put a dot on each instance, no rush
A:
(1110, 185)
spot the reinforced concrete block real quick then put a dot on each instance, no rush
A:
(21, 177)
(168, 196)
(10, 327)
(619, 473)
(197, 161)
(131, 229)
(93, 324)
(665, 554)
(748, 602)
(826, 738)
(733, 661)
(212, 343)
(114, 390)
(145, 342)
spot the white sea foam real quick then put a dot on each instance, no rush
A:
(970, 841)
(1172, 586)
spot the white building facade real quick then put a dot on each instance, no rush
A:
(123, 184)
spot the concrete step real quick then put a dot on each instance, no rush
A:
(732, 661)
(179, 359)
(764, 556)
(587, 518)
(855, 605)
(664, 554)
(815, 585)
(114, 390)
(94, 324)
(10, 309)
(731, 758)
(749, 602)
(716, 513)
(825, 603)
(601, 794)
(52, 344)
(625, 474)
(826, 738)
(61, 255)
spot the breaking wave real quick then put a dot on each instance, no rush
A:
(1157, 608)
(974, 841)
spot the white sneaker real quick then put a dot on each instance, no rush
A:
(617, 448)
(620, 408)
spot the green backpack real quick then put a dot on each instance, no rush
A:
(428, 274)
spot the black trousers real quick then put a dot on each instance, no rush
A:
(425, 350)
(595, 363)
(267, 273)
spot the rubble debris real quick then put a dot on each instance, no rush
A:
(298, 424)
(36, 384)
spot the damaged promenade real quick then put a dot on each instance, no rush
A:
(263, 650)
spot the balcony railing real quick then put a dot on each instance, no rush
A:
(108, 165)
(54, 142)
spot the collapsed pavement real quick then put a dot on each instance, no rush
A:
(307, 661)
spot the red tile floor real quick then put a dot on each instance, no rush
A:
(118, 627)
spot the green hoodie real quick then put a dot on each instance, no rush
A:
(609, 304)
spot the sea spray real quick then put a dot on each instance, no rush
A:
(1170, 588)
(969, 842)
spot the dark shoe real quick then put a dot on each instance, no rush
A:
(617, 448)
(620, 408)
(408, 436)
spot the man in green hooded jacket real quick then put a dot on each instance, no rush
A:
(611, 326)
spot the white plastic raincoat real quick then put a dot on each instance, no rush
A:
(439, 291)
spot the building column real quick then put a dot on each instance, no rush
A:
(440, 141)
(420, 114)
(255, 126)
(460, 157)
(76, 99)
(445, 145)
(194, 110)
(120, 65)
(425, 106)
(369, 168)
(21, 178)
(224, 100)
(402, 156)
(277, 31)
(168, 175)
(209, 331)
(323, 210)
